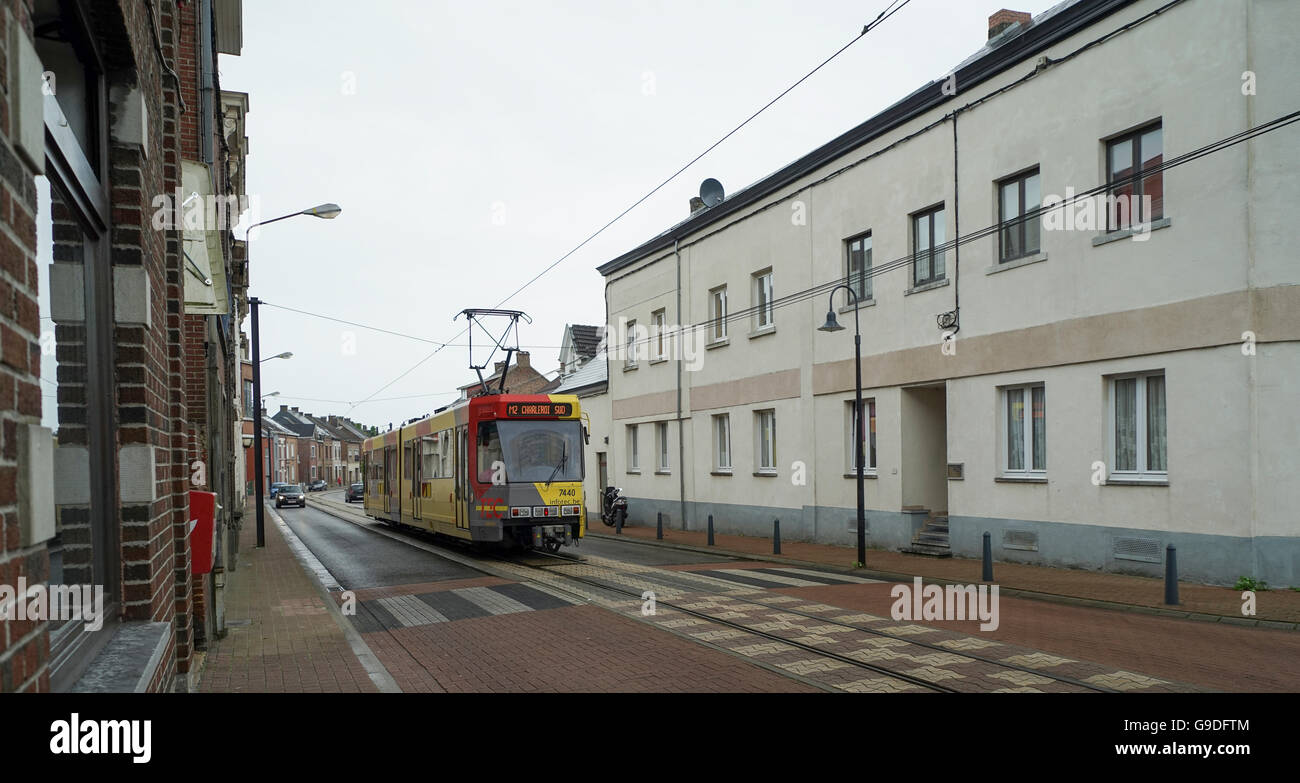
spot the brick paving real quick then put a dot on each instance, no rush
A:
(281, 637)
(1278, 604)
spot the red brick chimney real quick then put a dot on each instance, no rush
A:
(522, 360)
(1004, 19)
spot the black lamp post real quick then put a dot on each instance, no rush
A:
(832, 325)
(326, 212)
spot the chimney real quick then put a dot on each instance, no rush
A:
(522, 360)
(295, 409)
(284, 408)
(697, 204)
(1004, 19)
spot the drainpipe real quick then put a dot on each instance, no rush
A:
(681, 425)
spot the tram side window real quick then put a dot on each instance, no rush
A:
(489, 450)
(429, 468)
(446, 450)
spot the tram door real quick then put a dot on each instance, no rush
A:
(390, 479)
(417, 475)
(464, 495)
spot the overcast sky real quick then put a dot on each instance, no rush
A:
(473, 144)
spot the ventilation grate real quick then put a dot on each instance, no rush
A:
(1020, 539)
(1144, 550)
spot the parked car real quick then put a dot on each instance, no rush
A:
(276, 487)
(355, 492)
(317, 485)
(291, 495)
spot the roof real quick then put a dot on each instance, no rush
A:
(586, 340)
(593, 373)
(1012, 47)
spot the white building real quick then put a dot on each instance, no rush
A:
(1086, 391)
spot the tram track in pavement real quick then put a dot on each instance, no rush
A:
(472, 559)
(828, 621)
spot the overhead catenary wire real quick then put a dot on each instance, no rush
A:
(894, 7)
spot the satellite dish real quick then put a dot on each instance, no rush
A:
(711, 192)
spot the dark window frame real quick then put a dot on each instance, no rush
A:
(1021, 220)
(866, 294)
(928, 212)
(1137, 179)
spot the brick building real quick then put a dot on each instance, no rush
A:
(118, 374)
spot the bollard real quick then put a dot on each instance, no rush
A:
(618, 527)
(659, 526)
(1171, 575)
(710, 530)
(776, 536)
(988, 558)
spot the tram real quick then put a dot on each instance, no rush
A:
(503, 469)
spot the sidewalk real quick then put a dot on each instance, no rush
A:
(1275, 608)
(282, 637)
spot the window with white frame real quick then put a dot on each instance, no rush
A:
(1024, 427)
(661, 446)
(1138, 432)
(658, 321)
(765, 441)
(722, 443)
(718, 314)
(867, 435)
(764, 312)
(631, 344)
(633, 458)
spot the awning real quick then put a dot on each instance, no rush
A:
(205, 268)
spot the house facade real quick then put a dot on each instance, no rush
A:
(1079, 317)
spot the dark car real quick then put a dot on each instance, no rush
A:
(291, 495)
(355, 492)
(317, 485)
(276, 487)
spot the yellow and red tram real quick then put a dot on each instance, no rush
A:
(498, 468)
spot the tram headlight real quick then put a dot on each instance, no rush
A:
(546, 511)
(570, 511)
(521, 511)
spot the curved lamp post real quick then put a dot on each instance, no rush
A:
(833, 325)
(325, 212)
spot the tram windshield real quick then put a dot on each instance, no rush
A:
(533, 451)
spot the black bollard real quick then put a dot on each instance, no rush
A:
(710, 530)
(776, 536)
(659, 526)
(1171, 575)
(618, 525)
(988, 558)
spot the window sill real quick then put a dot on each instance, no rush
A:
(926, 287)
(871, 474)
(629, 367)
(1016, 263)
(1020, 479)
(1115, 236)
(663, 473)
(717, 344)
(765, 331)
(848, 308)
(766, 473)
(1136, 482)
(720, 473)
(634, 471)
(658, 361)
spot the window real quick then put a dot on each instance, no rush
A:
(858, 268)
(722, 443)
(867, 435)
(765, 446)
(661, 444)
(928, 234)
(633, 452)
(1139, 448)
(718, 314)
(764, 312)
(658, 320)
(1019, 235)
(630, 358)
(313, 451)
(248, 399)
(1024, 411)
(1132, 198)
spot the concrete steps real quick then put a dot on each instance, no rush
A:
(932, 539)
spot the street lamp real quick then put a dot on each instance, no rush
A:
(285, 355)
(833, 325)
(325, 212)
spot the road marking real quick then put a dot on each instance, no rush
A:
(492, 601)
(837, 577)
(772, 578)
(411, 611)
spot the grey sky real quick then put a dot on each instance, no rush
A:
(472, 144)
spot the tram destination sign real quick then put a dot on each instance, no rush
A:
(540, 410)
